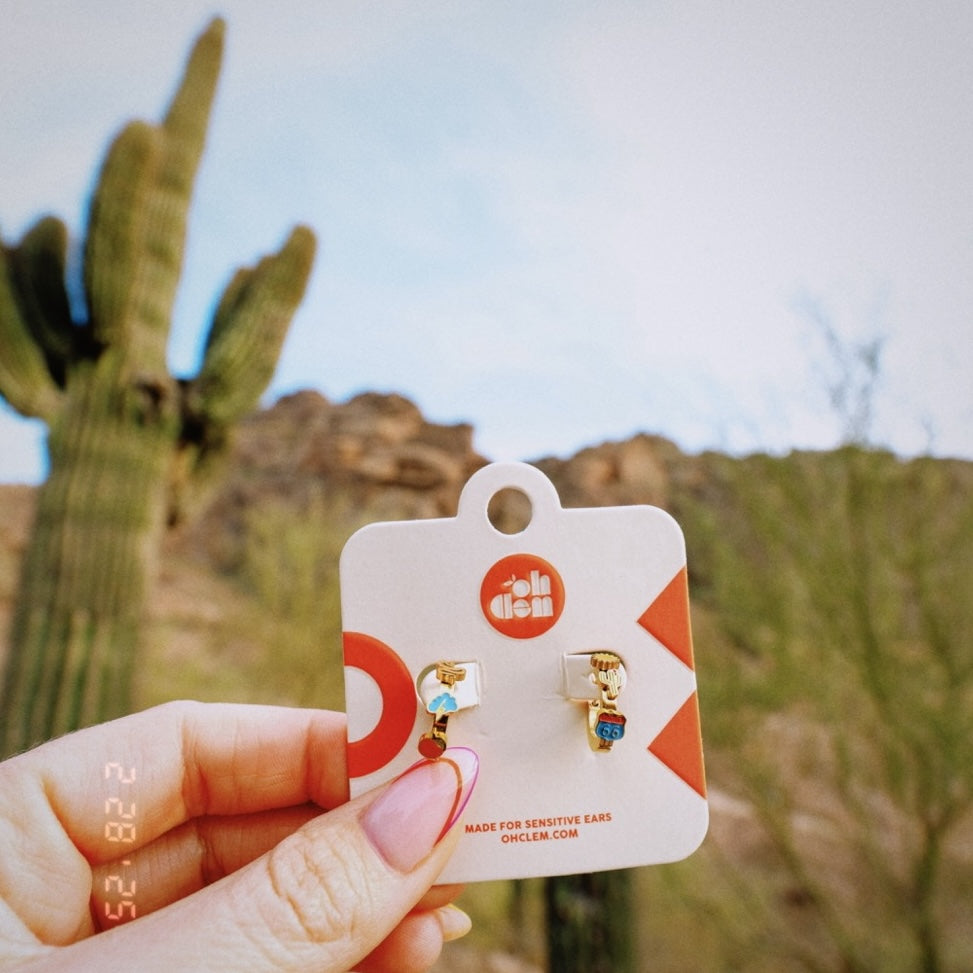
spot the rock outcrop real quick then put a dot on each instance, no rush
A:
(372, 445)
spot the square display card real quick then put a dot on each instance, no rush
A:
(561, 654)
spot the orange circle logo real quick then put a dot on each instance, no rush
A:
(522, 596)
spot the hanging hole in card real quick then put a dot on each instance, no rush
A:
(509, 511)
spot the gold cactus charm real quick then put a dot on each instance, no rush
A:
(605, 724)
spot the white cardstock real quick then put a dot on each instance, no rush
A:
(523, 613)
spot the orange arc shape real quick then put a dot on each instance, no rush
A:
(399, 703)
(679, 746)
(667, 618)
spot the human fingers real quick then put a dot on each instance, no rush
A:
(186, 859)
(323, 899)
(439, 895)
(195, 855)
(416, 942)
(184, 760)
(96, 795)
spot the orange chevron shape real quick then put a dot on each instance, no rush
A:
(680, 748)
(667, 618)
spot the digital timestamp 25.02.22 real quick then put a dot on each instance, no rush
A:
(120, 828)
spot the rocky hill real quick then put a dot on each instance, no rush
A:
(832, 631)
(378, 456)
(379, 452)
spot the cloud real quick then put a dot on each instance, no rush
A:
(443, 703)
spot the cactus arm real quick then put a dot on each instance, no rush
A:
(25, 381)
(132, 300)
(114, 246)
(248, 331)
(187, 117)
(38, 268)
(184, 136)
(230, 301)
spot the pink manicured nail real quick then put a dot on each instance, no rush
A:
(419, 807)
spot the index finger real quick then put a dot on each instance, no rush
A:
(117, 786)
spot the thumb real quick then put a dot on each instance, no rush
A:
(327, 895)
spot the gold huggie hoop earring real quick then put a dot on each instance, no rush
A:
(433, 743)
(605, 723)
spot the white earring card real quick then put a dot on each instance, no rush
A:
(581, 769)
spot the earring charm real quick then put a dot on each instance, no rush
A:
(433, 743)
(605, 723)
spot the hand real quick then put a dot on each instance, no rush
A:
(203, 824)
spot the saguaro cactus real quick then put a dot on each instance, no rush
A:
(126, 440)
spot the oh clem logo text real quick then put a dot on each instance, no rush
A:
(522, 596)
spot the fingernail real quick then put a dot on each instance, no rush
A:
(454, 922)
(420, 806)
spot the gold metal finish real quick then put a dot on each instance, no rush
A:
(433, 743)
(605, 723)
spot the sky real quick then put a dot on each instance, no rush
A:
(563, 221)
